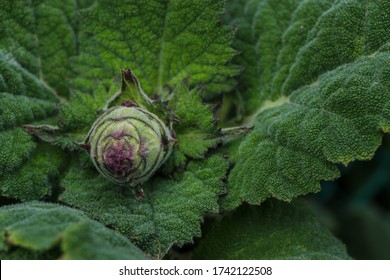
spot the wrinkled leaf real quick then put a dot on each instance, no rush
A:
(42, 36)
(25, 167)
(35, 230)
(163, 42)
(273, 231)
(196, 130)
(337, 107)
(170, 213)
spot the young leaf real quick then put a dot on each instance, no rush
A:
(196, 130)
(326, 118)
(164, 42)
(273, 231)
(169, 213)
(131, 91)
(35, 229)
(82, 110)
(192, 120)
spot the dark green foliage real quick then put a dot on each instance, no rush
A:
(26, 171)
(164, 42)
(15, 79)
(15, 146)
(261, 25)
(35, 178)
(349, 29)
(338, 118)
(169, 213)
(196, 129)
(16, 110)
(273, 231)
(294, 41)
(42, 36)
(82, 110)
(314, 84)
(35, 230)
(24, 181)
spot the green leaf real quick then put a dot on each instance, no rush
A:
(26, 170)
(346, 31)
(336, 107)
(16, 110)
(24, 99)
(15, 147)
(195, 127)
(82, 110)
(196, 130)
(274, 230)
(17, 80)
(36, 229)
(261, 24)
(37, 40)
(35, 178)
(170, 212)
(42, 36)
(24, 254)
(164, 42)
(131, 91)
(26, 54)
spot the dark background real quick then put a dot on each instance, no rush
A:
(356, 207)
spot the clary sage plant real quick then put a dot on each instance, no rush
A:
(306, 82)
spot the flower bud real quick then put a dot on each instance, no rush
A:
(128, 144)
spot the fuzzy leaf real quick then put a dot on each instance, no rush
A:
(15, 79)
(196, 131)
(273, 231)
(31, 55)
(164, 42)
(35, 229)
(25, 169)
(261, 24)
(325, 118)
(169, 213)
(82, 110)
(35, 178)
(15, 147)
(42, 36)
(131, 91)
(74, 120)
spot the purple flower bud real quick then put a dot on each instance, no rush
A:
(129, 144)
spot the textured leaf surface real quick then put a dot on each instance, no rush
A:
(77, 116)
(196, 131)
(261, 24)
(25, 169)
(170, 212)
(274, 230)
(37, 39)
(42, 36)
(35, 230)
(36, 178)
(164, 42)
(335, 106)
